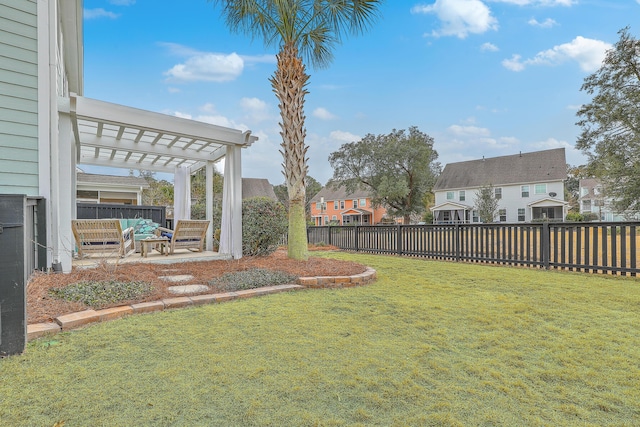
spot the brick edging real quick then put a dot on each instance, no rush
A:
(81, 318)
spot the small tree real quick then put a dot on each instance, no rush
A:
(486, 204)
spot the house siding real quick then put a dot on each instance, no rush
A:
(18, 97)
(511, 200)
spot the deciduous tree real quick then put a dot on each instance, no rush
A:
(486, 203)
(610, 123)
(398, 169)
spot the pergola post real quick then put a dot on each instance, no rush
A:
(209, 204)
(231, 229)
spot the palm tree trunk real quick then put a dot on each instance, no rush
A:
(289, 82)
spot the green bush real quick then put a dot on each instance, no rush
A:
(264, 222)
(575, 217)
(250, 279)
(101, 293)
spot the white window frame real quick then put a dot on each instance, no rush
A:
(335, 205)
(462, 195)
(497, 193)
(451, 195)
(522, 214)
(341, 204)
(502, 215)
(524, 191)
(363, 202)
(540, 189)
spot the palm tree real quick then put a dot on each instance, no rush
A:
(301, 29)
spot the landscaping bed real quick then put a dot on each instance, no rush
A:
(43, 306)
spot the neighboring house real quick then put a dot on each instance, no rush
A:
(47, 128)
(528, 186)
(336, 206)
(94, 188)
(593, 200)
(257, 187)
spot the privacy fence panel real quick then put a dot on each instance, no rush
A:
(590, 247)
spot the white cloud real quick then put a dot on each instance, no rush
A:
(547, 23)
(490, 47)
(343, 136)
(173, 90)
(99, 13)
(256, 109)
(460, 17)
(550, 143)
(323, 114)
(211, 67)
(513, 64)
(588, 53)
(211, 116)
(538, 2)
(469, 131)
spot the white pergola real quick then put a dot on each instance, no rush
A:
(106, 134)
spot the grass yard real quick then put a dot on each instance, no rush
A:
(430, 343)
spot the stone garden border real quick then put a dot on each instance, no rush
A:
(76, 320)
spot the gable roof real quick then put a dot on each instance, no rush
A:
(111, 180)
(339, 193)
(539, 166)
(257, 187)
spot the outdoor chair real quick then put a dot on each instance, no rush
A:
(187, 234)
(102, 236)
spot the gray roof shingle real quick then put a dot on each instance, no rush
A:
(539, 166)
(90, 178)
(257, 187)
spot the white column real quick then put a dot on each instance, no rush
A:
(231, 229)
(209, 204)
(63, 197)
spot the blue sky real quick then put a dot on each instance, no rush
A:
(482, 77)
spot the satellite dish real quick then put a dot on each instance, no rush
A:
(552, 194)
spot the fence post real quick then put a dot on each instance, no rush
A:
(546, 245)
(399, 239)
(355, 236)
(329, 238)
(456, 236)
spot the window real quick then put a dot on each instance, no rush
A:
(326, 220)
(355, 204)
(363, 202)
(584, 191)
(586, 206)
(450, 195)
(318, 206)
(521, 214)
(524, 191)
(497, 193)
(503, 215)
(341, 204)
(598, 202)
(462, 195)
(335, 204)
(474, 216)
(541, 188)
(334, 218)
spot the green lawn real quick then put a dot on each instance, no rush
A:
(430, 343)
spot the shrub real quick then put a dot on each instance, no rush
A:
(101, 293)
(264, 222)
(250, 279)
(575, 217)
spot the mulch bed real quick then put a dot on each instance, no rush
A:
(42, 307)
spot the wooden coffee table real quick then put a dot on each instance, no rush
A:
(146, 245)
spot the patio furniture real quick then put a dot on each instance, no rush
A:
(187, 234)
(146, 244)
(102, 236)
